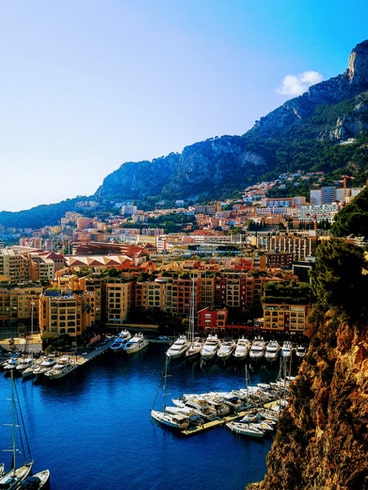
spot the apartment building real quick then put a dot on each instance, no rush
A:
(179, 296)
(242, 291)
(60, 314)
(66, 313)
(150, 295)
(117, 302)
(279, 260)
(205, 291)
(284, 317)
(13, 265)
(18, 305)
(212, 320)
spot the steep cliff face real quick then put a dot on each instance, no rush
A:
(322, 440)
(215, 168)
(350, 84)
(206, 168)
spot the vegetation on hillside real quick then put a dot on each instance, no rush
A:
(353, 219)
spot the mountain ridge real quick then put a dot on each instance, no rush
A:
(305, 133)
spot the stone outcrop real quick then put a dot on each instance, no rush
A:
(322, 440)
(358, 65)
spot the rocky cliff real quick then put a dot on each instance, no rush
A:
(322, 440)
(205, 169)
(349, 85)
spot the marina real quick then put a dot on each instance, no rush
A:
(106, 403)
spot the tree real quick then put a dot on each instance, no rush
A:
(337, 278)
(22, 330)
(353, 219)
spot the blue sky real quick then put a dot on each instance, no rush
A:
(87, 85)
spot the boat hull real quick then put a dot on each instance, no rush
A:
(57, 374)
(133, 345)
(36, 481)
(245, 430)
(12, 479)
(170, 420)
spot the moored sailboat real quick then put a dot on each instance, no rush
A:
(195, 343)
(20, 474)
(174, 420)
(245, 429)
(36, 481)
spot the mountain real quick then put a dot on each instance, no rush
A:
(299, 135)
(325, 129)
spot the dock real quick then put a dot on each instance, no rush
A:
(213, 423)
(99, 350)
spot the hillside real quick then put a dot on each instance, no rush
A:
(306, 133)
(325, 129)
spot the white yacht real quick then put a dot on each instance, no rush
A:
(24, 363)
(10, 364)
(121, 340)
(300, 351)
(257, 349)
(64, 366)
(45, 365)
(135, 343)
(226, 349)
(272, 352)
(194, 349)
(210, 347)
(245, 429)
(286, 349)
(178, 348)
(242, 349)
(174, 420)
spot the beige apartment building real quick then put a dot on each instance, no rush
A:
(66, 313)
(285, 317)
(150, 295)
(13, 265)
(18, 305)
(117, 302)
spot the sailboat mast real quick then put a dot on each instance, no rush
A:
(14, 449)
(164, 382)
(192, 312)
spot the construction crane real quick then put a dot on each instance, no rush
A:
(346, 177)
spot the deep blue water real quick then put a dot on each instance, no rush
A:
(93, 430)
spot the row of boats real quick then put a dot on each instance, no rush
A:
(48, 367)
(213, 347)
(242, 411)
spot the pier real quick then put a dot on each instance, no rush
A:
(214, 423)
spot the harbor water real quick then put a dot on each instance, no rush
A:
(93, 429)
